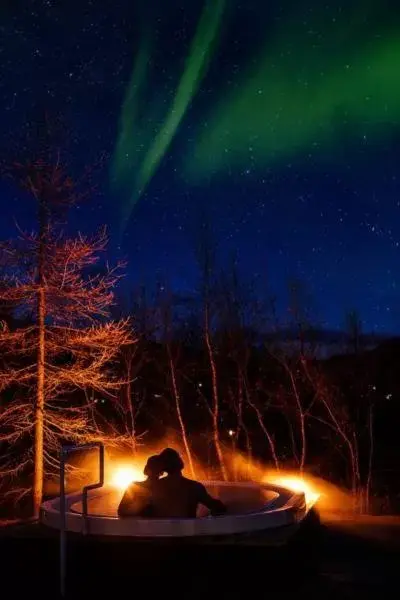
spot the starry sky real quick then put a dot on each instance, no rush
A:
(279, 121)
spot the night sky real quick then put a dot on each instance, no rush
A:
(280, 121)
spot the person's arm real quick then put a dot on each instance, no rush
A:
(125, 506)
(214, 505)
(134, 501)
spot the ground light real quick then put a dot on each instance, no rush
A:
(296, 484)
(123, 475)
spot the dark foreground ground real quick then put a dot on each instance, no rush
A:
(335, 559)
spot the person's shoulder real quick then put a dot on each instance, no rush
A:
(130, 488)
(194, 484)
(138, 487)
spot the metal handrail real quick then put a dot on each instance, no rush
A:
(93, 486)
(64, 454)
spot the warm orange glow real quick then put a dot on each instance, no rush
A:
(296, 484)
(122, 476)
(332, 499)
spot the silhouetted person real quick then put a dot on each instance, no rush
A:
(179, 497)
(137, 500)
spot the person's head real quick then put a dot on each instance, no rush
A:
(171, 461)
(153, 468)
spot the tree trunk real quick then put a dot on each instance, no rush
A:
(38, 473)
(292, 439)
(179, 413)
(38, 449)
(267, 434)
(215, 410)
(356, 478)
(301, 417)
(241, 423)
(128, 402)
(370, 457)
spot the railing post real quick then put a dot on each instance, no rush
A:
(93, 486)
(63, 562)
(64, 454)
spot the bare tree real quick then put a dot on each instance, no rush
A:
(69, 344)
(236, 315)
(370, 428)
(206, 258)
(335, 415)
(264, 428)
(133, 359)
(289, 397)
(173, 352)
(294, 399)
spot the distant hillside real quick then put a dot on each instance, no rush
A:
(326, 342)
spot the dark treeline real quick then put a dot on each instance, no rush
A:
(203, 372)
(218, 371)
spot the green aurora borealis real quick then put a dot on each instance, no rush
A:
(318, 74)
(200, 52)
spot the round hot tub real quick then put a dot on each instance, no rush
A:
(252, 507)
